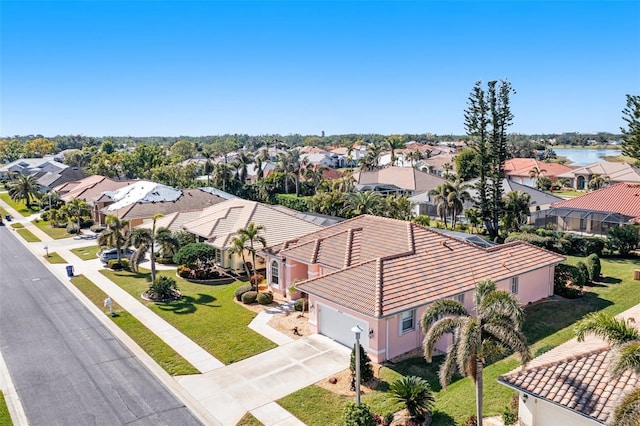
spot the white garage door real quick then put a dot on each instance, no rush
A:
(337, 325)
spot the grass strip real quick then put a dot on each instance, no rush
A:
(28, 235)
(18, 206)
(207, 314)
(86, 253)
(249, 420)
(157, 349)
(5, 418)
(55, 258)
(55, 233)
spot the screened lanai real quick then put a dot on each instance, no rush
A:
(579, 220)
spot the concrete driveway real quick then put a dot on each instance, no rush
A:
(231, 391)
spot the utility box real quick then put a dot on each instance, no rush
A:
(636, 274)
(70, 270)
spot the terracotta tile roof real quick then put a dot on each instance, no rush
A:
(623, 198)
(576, 375)
(219, 223)
(190, 199)
(522, 167)
(617, 172)
(414, 265)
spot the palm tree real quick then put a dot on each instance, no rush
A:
(24, 188)
(252, 233)
(144, 240)
(415, 393)
(367, 202)
(392, 143)
(76, 208)
(240, 163)
(238, 245)
(536, 172)
(516, 209)
(114, 236)
(371, 161)
(441, 198)
(456, 198)
(598, 181)
(625, 340)
(221, 176)
(493, 331)
(414, 157)
(473, 216)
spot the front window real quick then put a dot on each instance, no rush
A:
(514, 285)
(274, 272)
(219, 256)
(407, 321)
(459, 298)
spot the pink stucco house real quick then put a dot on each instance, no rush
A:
(381, 274)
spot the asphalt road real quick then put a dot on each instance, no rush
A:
(67, 368)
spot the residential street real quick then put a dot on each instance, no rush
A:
(67, 368)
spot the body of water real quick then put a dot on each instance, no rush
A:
(582, 157)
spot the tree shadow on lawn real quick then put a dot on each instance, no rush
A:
(442, 419)
(187, 304)
(610, 280)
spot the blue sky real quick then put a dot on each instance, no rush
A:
(168, 68)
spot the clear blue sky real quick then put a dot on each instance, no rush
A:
(208, 67)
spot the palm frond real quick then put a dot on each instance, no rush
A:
(469, 344)
(448, 366)
(607, 327)
(513, 339)
(504, 304)
(625, 357)
(440, 309)
(627, 411)
(436, 331)
(483, 288)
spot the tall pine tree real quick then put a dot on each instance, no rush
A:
(486, 119)
(631, 135)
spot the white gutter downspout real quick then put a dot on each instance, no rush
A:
(386, 341)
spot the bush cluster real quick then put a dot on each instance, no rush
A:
(595, 268)
(117, 265)
(357, 415)
(163, 288)
(203, 273)
(193, 254)
(241, 290)
(560, 242)
(249, 297)
(301, 305)
(265, 298)
(568, 281)
(293, 202)
(72, 228)
(97, 228)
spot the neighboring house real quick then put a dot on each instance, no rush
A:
(268, 167)
(520, 170)
(325, 158)
(616, 172)
(540, 200)
(352, 156)
(90, 189)
(142, 200)
(219, 224)
(408, 179)
(381, 274)
(598, 211)
(571, 384)
(435, 163)
(31, 166)
(50, 180)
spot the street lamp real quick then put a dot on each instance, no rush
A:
(357, 330)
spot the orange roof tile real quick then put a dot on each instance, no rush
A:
(383, 266)
(623, 198)
(522, 167)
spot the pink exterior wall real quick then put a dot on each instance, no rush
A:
(532, 286)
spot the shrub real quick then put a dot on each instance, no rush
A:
(535, 239)
(584, 246)
(423, 220)
(366, 370)
(301, 305)
(249, 297)
(595, 268)
(293, 202)
(240, 291)
(256, 279)
(584, 272)
(357, 416)
(567, 280)
(44, 215)
(623, 238)
(114, 264)
(124, 263)
(164, 260)
(194, 254)
(97, 228)
(471, 421)
(72, 228)
(415, 393)
(184, 271)
(509, 417)
(163, 288)
(265, 298)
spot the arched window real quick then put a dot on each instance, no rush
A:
(274, 272)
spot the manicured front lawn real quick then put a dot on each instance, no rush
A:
(547, 325)
(249, 420)
(567, 193)
(19, 207)
(157, 349)
(207, 314)
(55, 233)
(86, 253)
(28, 235)
(5, 418)
(54, 258)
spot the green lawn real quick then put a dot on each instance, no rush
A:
(249, 420)
(55, 233)
(18, 206)
(157, 349)
(17, 225)
(568, 193)
(206, 314)
(5, 418)
(55, 258)
(28, 235)
(615, 294)
(86, 253)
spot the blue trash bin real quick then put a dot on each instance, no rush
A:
(70, 270)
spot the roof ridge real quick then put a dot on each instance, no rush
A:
(377, 309)
(575, 356)
(349, 248)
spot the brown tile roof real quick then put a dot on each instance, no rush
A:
(220, 223)
(623, 198)
(576, 375)
(191, 199)
(402, 177)
(617, 172)
(384, 266)
(90, 188)
(522, 167)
